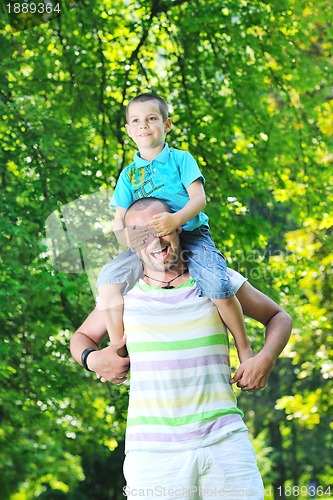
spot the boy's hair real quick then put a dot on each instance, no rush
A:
(163, 107)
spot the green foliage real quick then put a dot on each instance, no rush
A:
(249, 84)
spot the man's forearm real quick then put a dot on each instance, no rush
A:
(278, 331)
(106, 362)
(79, 342)
(277, 321)
(89, 335)
(254, 372)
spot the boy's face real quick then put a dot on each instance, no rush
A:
(145, 125)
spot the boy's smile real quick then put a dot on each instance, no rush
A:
(146, 127)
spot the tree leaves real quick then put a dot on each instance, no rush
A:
(249, 88)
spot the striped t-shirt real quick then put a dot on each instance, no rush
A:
(180, 395)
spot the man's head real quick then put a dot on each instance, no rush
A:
(158, 254)
(147, 122)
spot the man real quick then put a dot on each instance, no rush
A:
(185, 435)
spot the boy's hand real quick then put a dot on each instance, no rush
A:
(136, 237)
(164, 223)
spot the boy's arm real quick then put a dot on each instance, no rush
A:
(165, 223)
(105, 362)
(254, 372)
(118, 225)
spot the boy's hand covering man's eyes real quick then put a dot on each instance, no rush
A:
(164, 223)
(136, 237)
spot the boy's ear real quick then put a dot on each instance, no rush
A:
(127, 129)
(179, 230)
(168, 124)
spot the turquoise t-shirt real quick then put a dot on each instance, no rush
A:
(166, 177)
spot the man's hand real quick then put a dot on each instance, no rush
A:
(253, 373)
(164, 223)
(108, 365)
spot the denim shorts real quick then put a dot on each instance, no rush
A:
(225, 470)
(126, 268)
(205, 262)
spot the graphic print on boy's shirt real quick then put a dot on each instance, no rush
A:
(141, 178)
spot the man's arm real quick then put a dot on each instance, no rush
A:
(254, 372)
(105, 362)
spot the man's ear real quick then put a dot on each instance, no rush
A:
(179, 230)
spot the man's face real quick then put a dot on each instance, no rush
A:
(159, 254)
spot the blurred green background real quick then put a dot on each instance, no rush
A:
(250, 90)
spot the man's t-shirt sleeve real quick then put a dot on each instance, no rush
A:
(236, 279)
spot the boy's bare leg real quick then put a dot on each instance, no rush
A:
(111, 302)
(232, 315)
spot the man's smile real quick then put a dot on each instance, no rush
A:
(161, 254)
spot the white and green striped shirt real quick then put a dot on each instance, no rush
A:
(180, 395)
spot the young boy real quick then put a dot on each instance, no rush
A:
(174, 176)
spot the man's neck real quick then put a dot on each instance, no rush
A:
(175, 276)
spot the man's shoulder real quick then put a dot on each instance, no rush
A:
(236, 279)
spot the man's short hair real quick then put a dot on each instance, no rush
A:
(144, 203)
(163, 107)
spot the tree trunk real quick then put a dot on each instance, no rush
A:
(276, 443)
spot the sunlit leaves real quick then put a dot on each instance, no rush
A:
(302, 408)
(249, 88)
